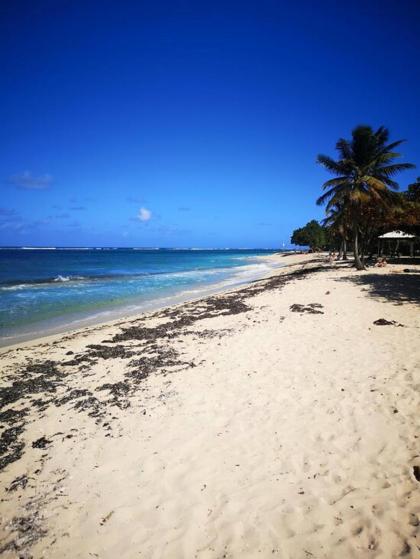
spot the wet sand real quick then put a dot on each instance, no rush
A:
(278, 419)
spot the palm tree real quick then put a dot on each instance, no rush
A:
(338, 223)
(364, 172)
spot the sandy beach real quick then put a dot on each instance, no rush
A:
(279, 419)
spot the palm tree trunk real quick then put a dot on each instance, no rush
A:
(357, 262)
(340, 252)
(344, 249)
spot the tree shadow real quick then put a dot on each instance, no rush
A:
(396, 288)
(405, 260)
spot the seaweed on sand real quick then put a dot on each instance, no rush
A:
(11, 448)
(384, 322)
(311, 308)
(45, 383)
(28, 530)
(39, 385)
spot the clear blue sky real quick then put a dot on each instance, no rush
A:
(203, 119)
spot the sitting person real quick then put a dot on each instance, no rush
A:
(381, 262)
(332, 257)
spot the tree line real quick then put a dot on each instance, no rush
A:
(361, 200)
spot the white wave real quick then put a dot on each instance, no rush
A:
(38, 248)
(234, 276)
(15, 287)
(146, 248)
(62, 278)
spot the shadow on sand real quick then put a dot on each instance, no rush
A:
(405, 260)
(397, 288)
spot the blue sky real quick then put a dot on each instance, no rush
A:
(191, 123)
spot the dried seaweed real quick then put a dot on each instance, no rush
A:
(311, 308)
(384, 322)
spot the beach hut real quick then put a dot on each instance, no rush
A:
(397, 236)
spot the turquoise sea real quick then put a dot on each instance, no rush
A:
(49, 290)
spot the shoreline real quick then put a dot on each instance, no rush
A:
(121, 315)
(235, 424)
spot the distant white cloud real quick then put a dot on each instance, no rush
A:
(28, 181)
(144, 214)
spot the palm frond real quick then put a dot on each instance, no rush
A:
(382, 135)
(325, 197)
(337, 198)
(387, 156)
(344, 148)
(391, 170)
(393, 145)
(334, 182)
(338, 192)
(390, 183)
(331, 165)
(375, 183)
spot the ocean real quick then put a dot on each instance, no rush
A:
(43, 291)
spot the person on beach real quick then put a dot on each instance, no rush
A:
(381, 262)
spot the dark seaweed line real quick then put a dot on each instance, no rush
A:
(45, 378)
(38, 383)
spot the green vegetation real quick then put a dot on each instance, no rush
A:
(361, 200)
(312, 235)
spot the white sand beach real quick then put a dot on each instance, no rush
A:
(276, 420)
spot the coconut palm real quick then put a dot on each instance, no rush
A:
(337, 221)
(364, 174)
